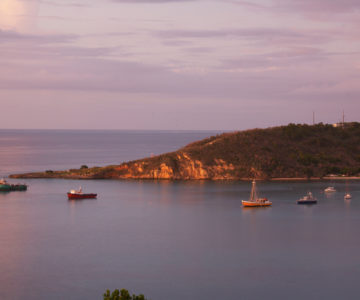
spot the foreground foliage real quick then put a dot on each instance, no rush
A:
(121, 295)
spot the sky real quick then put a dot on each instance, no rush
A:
(178, 64)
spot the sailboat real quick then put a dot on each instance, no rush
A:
(347, 193)
(254, 201)
(347, 196)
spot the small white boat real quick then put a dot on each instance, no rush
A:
(330, 189)
(347, 196)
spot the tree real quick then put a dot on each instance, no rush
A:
(309, 172)
(122, 295)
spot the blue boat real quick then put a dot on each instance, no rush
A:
(308, 199)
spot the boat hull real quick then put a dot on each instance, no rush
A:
(81, 196)
(255, 204)
(306, 201)
(5, 187)
(18, 187)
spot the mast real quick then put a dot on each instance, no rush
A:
(253, 195)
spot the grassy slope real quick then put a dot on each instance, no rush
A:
(287, 151)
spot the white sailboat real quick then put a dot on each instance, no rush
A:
(347, 193)
(347, 196)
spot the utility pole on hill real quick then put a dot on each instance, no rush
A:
(313, 118)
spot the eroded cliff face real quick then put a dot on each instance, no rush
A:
(182, 167)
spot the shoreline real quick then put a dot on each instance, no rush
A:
(40, 175)
(317, 178)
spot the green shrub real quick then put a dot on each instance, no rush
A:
(121, 295)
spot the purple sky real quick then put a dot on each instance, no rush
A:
(178, 64)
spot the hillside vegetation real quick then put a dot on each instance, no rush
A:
(292, 151)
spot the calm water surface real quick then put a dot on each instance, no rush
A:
(168, 240)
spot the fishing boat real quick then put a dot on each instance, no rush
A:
(330, 189)
(78, 194)
(308, 199)
(254, 201)
(347, 196)
(8, 187)
(4, 186)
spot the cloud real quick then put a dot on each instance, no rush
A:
(333, 6)
(58, 4)
(15, 37)
(152, 1)
(273, 35)
(280, 60)
(53, 62)
(329, 6)
(248, 4)
(76, 69)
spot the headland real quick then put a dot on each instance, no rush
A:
(292, 152)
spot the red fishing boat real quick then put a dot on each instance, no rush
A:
(78, 194)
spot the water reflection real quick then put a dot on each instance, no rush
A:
(163, 238)
(330, 195)
(347, 203)
(4, 193)
(254, 210)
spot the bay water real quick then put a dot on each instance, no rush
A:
(169, 240)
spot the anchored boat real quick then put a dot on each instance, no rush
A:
(8, 187)
(254, 201)
(78, 194)
(308, 199)
(4, 186)
(330, 189)
(347, 193)
(347, 196)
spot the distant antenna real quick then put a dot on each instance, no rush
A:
(343, 117)
(313, 118)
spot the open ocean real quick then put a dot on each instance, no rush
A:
(168, 240)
